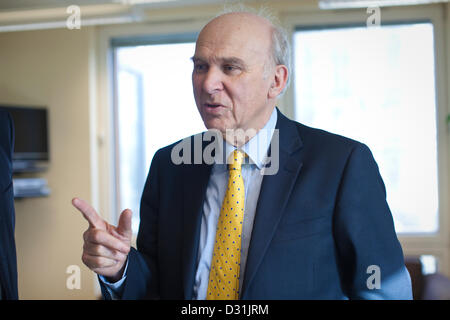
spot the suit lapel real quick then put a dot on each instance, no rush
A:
(195, 182)
(275, 191)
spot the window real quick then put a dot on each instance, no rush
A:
(155, 107)
(377, 86)
(429, 264)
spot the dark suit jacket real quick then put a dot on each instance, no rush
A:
(320, 223)
(8, 262)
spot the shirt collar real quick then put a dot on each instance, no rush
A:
(256, 148)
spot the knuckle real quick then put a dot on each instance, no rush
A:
(86, 235)
(85, 259)
(98, 262)
(119, 256)
(127, 249)
(89, 235)
(97, 250)
(87, 247)
(96, 235)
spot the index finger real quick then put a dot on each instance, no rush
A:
(88, 213)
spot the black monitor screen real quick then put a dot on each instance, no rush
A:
(31, 137)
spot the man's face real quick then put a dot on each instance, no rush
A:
(232, 73)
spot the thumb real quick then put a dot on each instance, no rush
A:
(124, 227)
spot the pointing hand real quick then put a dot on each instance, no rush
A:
(106, 247)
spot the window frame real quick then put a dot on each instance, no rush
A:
(140, 127)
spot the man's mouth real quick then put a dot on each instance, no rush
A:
(212, 105)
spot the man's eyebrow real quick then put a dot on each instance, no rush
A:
(233, 60)
(197, 59)
(230, 60)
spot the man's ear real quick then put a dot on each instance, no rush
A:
(279, 81)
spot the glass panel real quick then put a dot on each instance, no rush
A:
(429, 264)
(131, 140)
(166, 111)
(376, 85)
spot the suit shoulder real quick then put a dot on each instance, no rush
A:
(328, 141)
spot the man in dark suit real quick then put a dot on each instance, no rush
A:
(8, 261)
(316, 227)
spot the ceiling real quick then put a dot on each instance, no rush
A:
(46, 4)
(21, 15)
(30, 4)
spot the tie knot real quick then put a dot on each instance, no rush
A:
(236, 160)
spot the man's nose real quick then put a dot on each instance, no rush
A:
(212, 82)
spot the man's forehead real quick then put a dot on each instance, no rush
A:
(235, 53)
(235, 28)
(239, 19)
(234, 38)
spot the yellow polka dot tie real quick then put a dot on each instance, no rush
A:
(226, 260)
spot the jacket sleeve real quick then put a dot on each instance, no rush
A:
(142, 273)
(369, 254)
(8, 260)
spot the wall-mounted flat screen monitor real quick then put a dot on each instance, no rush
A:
(31, 133)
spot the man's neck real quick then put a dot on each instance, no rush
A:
(239, 136)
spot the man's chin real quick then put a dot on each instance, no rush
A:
(216, 124)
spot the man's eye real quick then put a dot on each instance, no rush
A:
(199, 67)
(230, 68)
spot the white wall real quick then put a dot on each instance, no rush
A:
(51, 68)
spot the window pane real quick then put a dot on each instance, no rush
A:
(376, 85)
(429, 264)
(130, 139)
(153, 113)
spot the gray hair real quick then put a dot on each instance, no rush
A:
(281, 49)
